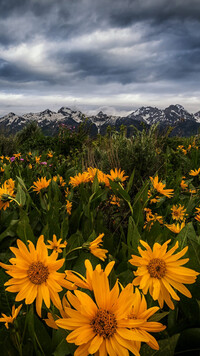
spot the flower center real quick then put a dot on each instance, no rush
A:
(157, 268)
(104, 323)
(38, 273)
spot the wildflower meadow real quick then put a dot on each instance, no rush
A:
(100, 248)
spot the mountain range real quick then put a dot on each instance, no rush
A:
(182, 122)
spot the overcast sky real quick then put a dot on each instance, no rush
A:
(113, 55)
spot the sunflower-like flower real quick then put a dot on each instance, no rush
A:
(100, 324)
(34, 275)
(117, 175)
(160, 187)
(37, 159)
(178, 212)
(56, 245)
(194, 172)
(40, 184)
(183, 185)
(50, 321)
(69, 207)
(10, 319)
(114, 200)
(140, 311)
(151, 219)
(78, 179)
(17, 155)
(86, 282)
(6, 193)
(176, 228)
(160, 271)
(95, 248)
(102, 177)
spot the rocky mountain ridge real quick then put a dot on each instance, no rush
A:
(183, 123)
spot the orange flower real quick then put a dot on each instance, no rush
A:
(42, 183)
(176, 228)
(95, 248)
(10, 319)
(34, 275)
(117, 175)
(55, 245)
(159, 271)
(160, 187)
(194, 172)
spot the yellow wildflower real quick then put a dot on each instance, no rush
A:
(56, 245)
(194, 172)
(178, 212)
(10, 319)
(160, 187)
(117, 175)
(95, 248)
(40, 184)
(34, 275)
(101, 324)
(69, 207)
(176, 228)
(159, 271)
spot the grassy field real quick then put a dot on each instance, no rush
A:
(99, 244)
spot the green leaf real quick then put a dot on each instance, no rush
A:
(166, 347)
(133, 236)
(20, 196)
(119, 191)
(187, 233)
(24, 230)
(10, 231)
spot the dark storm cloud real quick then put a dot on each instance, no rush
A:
(100, 47)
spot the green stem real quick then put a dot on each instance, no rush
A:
(74, 249)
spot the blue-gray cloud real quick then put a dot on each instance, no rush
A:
(91, 48)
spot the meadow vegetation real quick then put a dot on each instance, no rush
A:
(99, 243)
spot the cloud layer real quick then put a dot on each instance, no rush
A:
(91, 53)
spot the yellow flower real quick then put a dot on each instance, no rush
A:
(159, 186)
(91, 173)
(160, 271)
(37, 159)
(95, 248)
(10, 319)
(62, 182)
(78, 179)
(102, 177)
(183, 185)
(101, 324)
(6, 193)
(178, 213)
(55, 245)
(117, 175)
(140, 311)
(151, 219)
(69, 207)
(114, 200)
(30, 166)
(176, 228)
(86, 282)
(17, 155)
(50, 154)
(50, 321)
(194, 172)
(40, 184)
(2, 170)
(34, 275)
(197, 217)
